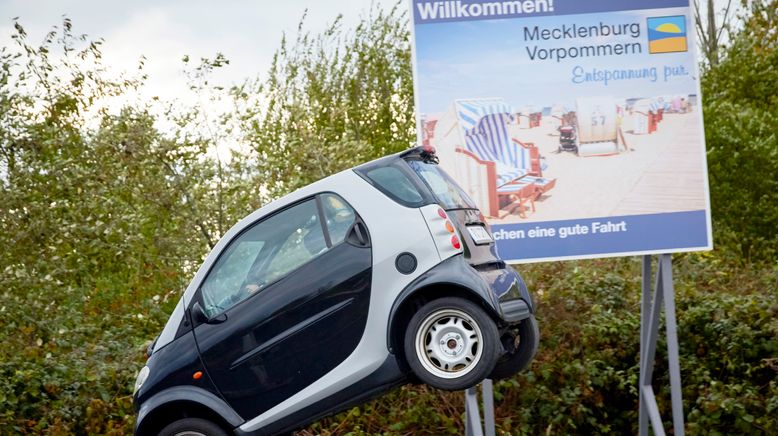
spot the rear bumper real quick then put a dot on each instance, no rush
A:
(510, 293)
(514, 311)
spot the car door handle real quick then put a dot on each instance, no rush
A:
(358, 235)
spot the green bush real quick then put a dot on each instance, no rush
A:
(585, 377)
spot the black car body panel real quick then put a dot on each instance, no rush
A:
(172, 380)
(387, 377)
(291, 333)
(183, 393)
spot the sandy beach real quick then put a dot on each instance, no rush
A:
(661, 172)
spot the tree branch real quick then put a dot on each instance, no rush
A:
(724, 21)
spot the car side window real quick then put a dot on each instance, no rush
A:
(263, 254)
(393, 182)
(339, 216)
(445, 189)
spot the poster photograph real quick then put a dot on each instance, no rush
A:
(575, 126)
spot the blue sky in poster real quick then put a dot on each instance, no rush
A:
(678, 21)
(498, 53)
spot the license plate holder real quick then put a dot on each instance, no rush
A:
(480, 235)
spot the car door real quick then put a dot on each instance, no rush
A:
(286, 302)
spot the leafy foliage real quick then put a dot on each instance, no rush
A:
(93, 237)
(331, 101)
(105, 215)
(585, 378)
(741, 112)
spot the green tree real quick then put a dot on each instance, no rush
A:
(740, 97)
(99, 226)
(330, 101)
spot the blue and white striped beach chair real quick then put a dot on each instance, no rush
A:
(517, 167)
(489, 141)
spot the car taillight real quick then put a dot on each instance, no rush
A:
(443, 230)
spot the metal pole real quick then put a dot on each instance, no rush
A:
(472, 416)
(473, 425)
(672, 345)
(645, 308)
(649, 331)
(487, 392)
(647, 359)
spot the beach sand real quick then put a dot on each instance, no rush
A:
(662, 172)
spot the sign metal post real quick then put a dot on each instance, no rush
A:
(473, 416)
(663, 292)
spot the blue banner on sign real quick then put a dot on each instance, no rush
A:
(439, 11)
(607, 235)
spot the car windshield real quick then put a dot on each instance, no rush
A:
(445, 189)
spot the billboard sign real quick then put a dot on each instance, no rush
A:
(575, 125)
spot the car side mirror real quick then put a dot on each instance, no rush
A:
(199, 317)
(198, 314)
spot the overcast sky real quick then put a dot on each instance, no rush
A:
(247, 32)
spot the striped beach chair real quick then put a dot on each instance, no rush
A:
(489, 140)
(515, 168)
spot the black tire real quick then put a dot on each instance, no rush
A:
(194, 425)
(519, 356)
(454, 316)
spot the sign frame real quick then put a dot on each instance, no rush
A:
(513, 252)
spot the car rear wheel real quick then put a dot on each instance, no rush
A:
(451, 344)
(192, 427)
(521, 348)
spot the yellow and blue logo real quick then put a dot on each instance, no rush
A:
(667, 34)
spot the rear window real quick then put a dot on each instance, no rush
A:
(444, 188)
(395, 183)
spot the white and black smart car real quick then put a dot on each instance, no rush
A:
(371, 278)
